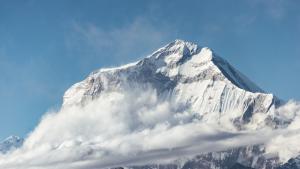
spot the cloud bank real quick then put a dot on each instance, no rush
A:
(286, 143)
(135, 126)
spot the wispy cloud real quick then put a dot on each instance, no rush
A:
(126, 42)
(275, 9)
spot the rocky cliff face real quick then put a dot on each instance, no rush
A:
(249, 157)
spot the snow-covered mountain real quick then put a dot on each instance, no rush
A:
(198, 89)
(194, 76)
(10, 143)
(203, 83)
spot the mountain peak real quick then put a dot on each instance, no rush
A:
(182, 42)
(12, 138)
(11, 142)
(180, 51)
(177, 46)
(182, 67)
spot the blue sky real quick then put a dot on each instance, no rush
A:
(46, 46)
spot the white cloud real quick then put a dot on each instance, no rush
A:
(121, 127)
(135, 126)
(134, 39)
(275, 9)
(287, 144)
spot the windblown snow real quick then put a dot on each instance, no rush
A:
(180, 101)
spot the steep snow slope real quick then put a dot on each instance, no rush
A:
(194, 76)
(10, 143)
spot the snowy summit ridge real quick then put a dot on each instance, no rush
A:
(193, 75)
(201, 55)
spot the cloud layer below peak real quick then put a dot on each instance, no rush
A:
(125, 128)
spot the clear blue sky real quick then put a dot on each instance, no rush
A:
(46, 46)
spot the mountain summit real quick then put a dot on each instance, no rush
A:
(195, 76)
